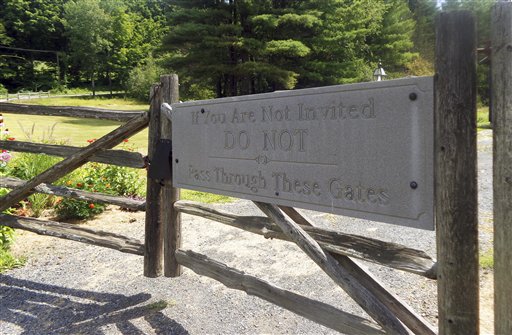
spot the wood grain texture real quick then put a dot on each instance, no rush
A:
(79, 112)
(380, 313)
(313, 310)
(411, 319)
(456, 173)
(502, 164)
(73, 162)
(368, 249)
(153, 238)
(171, 217)
(113, 157)
(138, 205)
(74, 233)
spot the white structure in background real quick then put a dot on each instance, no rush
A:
(379, 73)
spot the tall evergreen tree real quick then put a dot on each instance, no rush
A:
(341, 53)
(424, 13)
(393, 43)
(245, 46)
(234, 46)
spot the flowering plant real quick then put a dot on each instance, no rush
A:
(5, 156)
(68, 208)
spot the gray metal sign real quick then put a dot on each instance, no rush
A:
(362, 150)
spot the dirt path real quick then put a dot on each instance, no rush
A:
(72, 288)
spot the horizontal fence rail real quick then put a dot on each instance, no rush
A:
(39, 95)
(368, 249)
(124, 202)
(112, 157)
(26, 95)
(75, 161)
(75, 233)
(71, 111)
(311, 309)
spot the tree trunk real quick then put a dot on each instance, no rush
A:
(93, 87)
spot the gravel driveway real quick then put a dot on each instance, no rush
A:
(72, 288)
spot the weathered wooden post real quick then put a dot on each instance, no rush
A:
(171, 217)
(502, 167)
(456, 173)
(163, 222)
(153, 238)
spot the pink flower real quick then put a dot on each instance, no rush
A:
(5, 156)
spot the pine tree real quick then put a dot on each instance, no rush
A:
(393, 43)
(424, 13)
(242, 47)
(341, 53)
(238, 47)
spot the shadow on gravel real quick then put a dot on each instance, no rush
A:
(47, 309)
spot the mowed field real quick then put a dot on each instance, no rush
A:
(77, 131)
(72, 131)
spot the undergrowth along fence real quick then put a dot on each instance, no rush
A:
(456, 269)
(98, 151)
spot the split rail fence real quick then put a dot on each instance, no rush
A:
(26, 95)
(456, 269)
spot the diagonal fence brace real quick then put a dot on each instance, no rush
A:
(379, 312)
(76, 160)
(415, 322)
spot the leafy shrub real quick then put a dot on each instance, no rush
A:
(68, 208)
(63, 89)
(6, 237)
(122, 181)
(26, 166)
(3, 90)
(102, 178)
(420, 66)
(7, 261)
(141, 78)
(6, 233)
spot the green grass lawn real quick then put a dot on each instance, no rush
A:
(72, 131)
(76, 131)
(89, 101)
(482, 118)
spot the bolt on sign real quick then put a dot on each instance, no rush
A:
(361, 150)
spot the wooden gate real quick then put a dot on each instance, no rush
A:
(76, 157)
(456, 268)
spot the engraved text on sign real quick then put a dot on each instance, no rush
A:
(362, 150)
